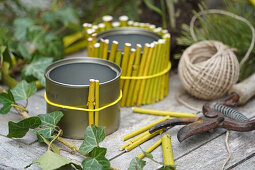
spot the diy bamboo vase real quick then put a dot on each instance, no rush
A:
(140, 49)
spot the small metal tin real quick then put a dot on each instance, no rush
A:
(67, 83)
(132, 35)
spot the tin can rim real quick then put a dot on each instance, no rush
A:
(71, 60)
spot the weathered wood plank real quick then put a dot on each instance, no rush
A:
(248, 164)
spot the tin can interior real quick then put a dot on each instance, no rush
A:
(80, 73)
(130, 35)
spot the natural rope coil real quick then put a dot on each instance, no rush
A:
(209, 68)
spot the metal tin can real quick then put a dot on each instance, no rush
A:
(67, 83)
(130, 35)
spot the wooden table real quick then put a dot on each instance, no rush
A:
(204, 151)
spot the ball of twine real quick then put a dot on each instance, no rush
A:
(207, 69)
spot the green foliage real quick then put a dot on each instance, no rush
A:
(51, 145)
(136, 164)
(21, 26)
(7, 100)
(37, 67)
(19, 129)
(49, 123)
(93, 136)
(96, 160)
(230, 31)
(24, 90)
(50, 161)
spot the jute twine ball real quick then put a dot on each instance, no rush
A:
(207, 69)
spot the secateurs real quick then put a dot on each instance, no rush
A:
(217, 114)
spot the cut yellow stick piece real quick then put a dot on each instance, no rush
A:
(126, 82)
(105, 49)
(118, 57)
(162, 113)
(145, 138)
(134, 73)
(133, 140)
(123, 20)
(138, 131)
(167, 150)
(91, 100)
(154, 146)
(107, 21)
(113, 50)
(116, 24)
(96, 50)
(101, 48)
(124, 62)
(101, 27)
(96, 102)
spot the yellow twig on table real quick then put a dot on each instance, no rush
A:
(124, 62)
(96, 102)
(113, 51)
(91, 100)
(101, 48)
(154, 146)
(135, 68)
(145, 138)
(126, 82)
(167, 150)
(162, 113)
(138, 131)
(133, 140)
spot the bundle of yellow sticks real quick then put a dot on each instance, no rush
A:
(145, 73)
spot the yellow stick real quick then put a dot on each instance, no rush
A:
(107, 21)
(105, 49)
(154, 146)
(116, 24)
(152, 66)
(96, 50)
(95, 27)
(113, 51)
(130, 23)
(118, 57)
(134, 73)
(145, 138)
(167, 150)
(145, 72)
(123, 20)
(133, 140)
(162, 113)
(91, 100)
(101, 48)
(138, 131)
(96, 102)
(126, 82)
(152, 27)
(90, 46)
(101, 27)
(124, 62)
(140, 73)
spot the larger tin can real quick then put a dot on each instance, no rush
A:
(67, 83)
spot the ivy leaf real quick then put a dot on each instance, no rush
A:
(49, 122)
(7, 100)
(67, 16)
(168, 167)
(21, 25)
(96, 160)
(37, 68)
(136, 164)
(93, 136)
(148, 155)
(50, 160)
(24, 51)
(24, 90)
(19, 129)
